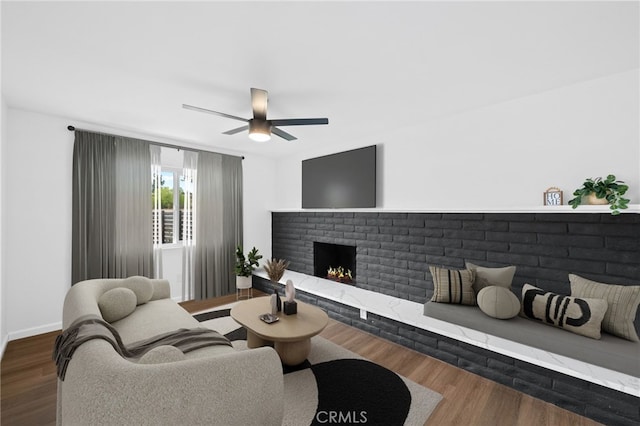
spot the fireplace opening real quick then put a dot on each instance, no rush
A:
(335, 262)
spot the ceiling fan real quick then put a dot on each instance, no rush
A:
(259, 127)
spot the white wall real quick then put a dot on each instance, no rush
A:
(37, 203)
(3, 138)
(504, 155)
(260, 193)
(4, 335)
(37, 238)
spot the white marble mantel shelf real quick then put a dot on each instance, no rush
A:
(632, 209)
(412, 313)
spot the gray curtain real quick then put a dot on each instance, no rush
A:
(156, 176)
(219, 223)
(133, 209)
(112, 218)
(190, 173)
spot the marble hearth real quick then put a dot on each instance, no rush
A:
(411, 313)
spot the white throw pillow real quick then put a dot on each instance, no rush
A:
(117, 303)
(498, 302)
(486, 277)
(141, 286)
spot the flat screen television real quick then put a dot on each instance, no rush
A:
(343, 180)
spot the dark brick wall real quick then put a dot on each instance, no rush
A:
(579, 396)
(394, 250)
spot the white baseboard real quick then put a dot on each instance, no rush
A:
(5, 340)
(28, 332)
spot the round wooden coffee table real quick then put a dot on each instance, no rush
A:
(290, 336)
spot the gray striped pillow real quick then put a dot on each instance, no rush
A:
(623, 303)
(453, 286)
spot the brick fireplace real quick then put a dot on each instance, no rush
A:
(393, 252)
(332, 256)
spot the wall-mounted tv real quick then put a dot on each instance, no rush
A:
(343, 180)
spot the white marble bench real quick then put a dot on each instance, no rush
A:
(412, 313)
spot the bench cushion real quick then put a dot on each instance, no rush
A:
(609, 352)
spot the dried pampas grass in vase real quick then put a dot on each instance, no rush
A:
(275, 269)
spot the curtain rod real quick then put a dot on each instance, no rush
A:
(167, 145)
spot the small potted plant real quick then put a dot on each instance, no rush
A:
(602, 191)
(245, 266)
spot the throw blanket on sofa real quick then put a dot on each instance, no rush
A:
(91, 327)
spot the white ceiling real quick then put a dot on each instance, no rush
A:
(370, 67)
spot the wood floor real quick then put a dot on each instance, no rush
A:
(28, 379)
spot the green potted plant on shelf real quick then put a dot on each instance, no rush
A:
(245, 266)
(602, 191)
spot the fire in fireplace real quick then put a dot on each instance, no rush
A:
(340, 274)
(335, 262)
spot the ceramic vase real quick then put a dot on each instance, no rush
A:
(278, 300)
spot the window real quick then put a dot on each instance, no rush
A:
(173, 190)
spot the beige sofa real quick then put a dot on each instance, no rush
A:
(212, 385)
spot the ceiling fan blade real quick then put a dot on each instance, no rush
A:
(283, 134)
(234, 131)
(299, 121)
(259, 99)
(208, 111)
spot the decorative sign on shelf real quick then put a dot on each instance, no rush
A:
(553, 197)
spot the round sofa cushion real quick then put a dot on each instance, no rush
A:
(141, 286)
(498, 302)
(117, 303)
(162, 354)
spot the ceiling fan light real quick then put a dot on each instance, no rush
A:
(259, 137)
(259, 131)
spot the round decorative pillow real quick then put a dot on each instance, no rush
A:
(117, 303)
(141, 286)
(161, 355)
(498, 302)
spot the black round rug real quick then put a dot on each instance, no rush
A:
(355, 391)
